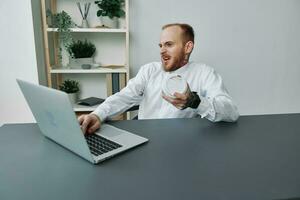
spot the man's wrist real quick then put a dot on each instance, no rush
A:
(194, 100)
(96, 116)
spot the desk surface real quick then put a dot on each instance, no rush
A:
(256, 158)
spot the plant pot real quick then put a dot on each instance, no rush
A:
(73, 97)
(108, 22)
(75, 63)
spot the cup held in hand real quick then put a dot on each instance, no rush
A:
(174, 83)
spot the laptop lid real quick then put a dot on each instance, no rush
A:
(55, 117)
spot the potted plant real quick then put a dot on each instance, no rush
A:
(81, 53)
(63, 22)
(110, 11)
(71, 87)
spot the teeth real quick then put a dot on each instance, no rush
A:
(165, 58)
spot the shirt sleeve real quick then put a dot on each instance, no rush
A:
(128, 97)
(216, 104)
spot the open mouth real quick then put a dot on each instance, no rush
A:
(166, 58)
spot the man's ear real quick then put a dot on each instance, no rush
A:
(189, 47)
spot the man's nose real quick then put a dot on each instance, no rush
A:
(162, 50)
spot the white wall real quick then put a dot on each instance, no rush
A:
(17, 59)
(254, 45)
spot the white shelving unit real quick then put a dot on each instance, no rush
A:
(56, 73)
(99, 70)
(93, 30)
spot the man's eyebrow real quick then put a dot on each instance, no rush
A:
(167, 42)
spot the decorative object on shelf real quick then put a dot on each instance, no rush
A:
(86, 66)
(90, 101)
(71, 87)
(81, 52)
(110, 11)
(63, 22)
(84, 14)
(49, 17)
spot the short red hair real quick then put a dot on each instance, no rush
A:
(187, 31)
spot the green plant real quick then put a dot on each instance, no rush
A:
(63, 22)
(80, 49)
(110, 8)
(69, 86)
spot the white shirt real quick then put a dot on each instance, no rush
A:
(145, 89)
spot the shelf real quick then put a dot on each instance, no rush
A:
(99, 70)
(81, 108)
(113, 73)
(92, 30)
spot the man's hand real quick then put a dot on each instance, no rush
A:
(89, 123)
(181, 100)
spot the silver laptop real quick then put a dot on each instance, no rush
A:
(57, 121)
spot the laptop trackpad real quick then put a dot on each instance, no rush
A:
(109, 131)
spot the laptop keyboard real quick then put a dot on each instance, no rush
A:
(100, 145)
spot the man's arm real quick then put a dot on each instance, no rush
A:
(212, 102)
(129, 96)
(216, 104)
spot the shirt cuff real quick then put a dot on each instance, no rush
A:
(206, 108)
(100, 113)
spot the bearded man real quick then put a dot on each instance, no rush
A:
(205, 96)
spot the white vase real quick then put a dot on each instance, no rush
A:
(73, 97)
(108, 22)
(75, 63)
(85, 24)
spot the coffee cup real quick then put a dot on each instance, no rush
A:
(174, 83)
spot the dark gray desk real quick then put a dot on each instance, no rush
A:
(256, 158)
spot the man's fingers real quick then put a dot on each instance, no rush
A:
(83, 129)
(80, 119)
(181, 96)
(166, 98)
(95, 123)
(174, 101)
(178, 101)
(94, 127)
(89, 123)
(85, 124)
(181, 106)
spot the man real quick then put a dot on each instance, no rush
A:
(206, 95)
